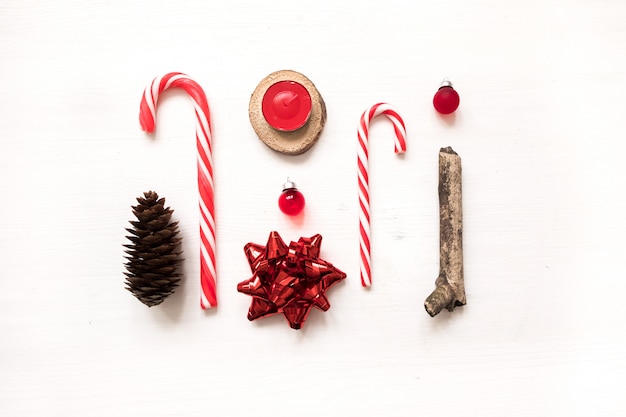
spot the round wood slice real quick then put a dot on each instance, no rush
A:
(297, 141)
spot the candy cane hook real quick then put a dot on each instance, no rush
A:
(364, 195)
(147, 119)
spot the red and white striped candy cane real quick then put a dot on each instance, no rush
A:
(364, 195)
(147, 118)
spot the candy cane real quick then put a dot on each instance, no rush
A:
(147, 118)
(364, 195)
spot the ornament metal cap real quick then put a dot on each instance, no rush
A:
(289, 185)
(446, 83)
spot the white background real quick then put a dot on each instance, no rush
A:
(540, 130)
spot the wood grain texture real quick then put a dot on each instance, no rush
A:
(450, 284)
(540, 129)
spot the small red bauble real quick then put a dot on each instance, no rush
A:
(291, 201)
(446, 99)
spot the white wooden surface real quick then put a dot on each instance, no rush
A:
(541, 133)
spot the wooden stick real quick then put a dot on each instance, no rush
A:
(450, 286)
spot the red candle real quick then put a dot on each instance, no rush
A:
(286, 105)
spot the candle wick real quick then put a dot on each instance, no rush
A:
(290, 99)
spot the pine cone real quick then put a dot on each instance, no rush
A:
(153, 256)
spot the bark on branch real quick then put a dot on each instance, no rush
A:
(450, 286)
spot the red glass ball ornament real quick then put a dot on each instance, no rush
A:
(291, 201)
(446, 99)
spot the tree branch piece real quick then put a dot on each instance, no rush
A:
(450, 285)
